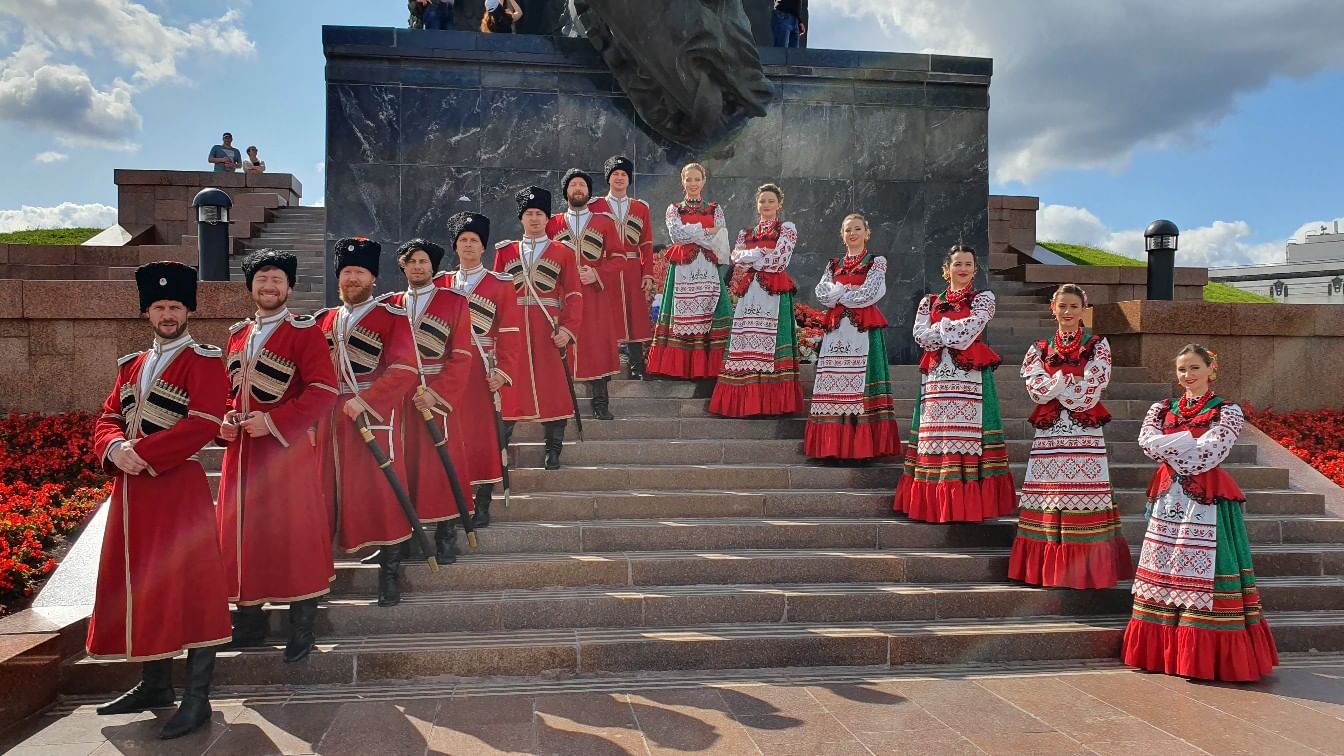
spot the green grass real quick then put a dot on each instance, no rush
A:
(50, 236)
(1080, 254)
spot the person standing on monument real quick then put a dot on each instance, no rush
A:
(695, 314)
(273, 529)
(956, 462)
(494, 356)
(501, 17)
(635, 234)
(852, 417)
(550, 295)
(161, 587)
(1196, 607)
(760, 373)
(372, 350)
(441, 324)
(788, 22)
(595, 356)
(1068, 529)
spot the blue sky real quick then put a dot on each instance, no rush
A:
(1227, 121)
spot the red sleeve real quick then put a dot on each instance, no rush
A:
(110, 426)
(293, 418)
(508, 332)
(207, 399)
(401, 376)
(497, 265)
(571, 298)
(448, 384)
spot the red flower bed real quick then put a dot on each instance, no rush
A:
(810, 322)
(49, 483)
(1316, 437)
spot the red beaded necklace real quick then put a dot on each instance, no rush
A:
(1069, 345)
(957, 297)
(1189, 410)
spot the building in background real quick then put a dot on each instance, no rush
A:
(1313, 273)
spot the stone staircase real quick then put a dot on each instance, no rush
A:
(674, 540)
(302, 231)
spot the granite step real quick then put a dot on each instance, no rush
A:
(712, 451)
(666, 428)
(811, 476)
(524, 454)
(737, 565)
(488, 611)
(1009, 387)
(883, 531)
(903, 400)
(410, 657)
(608, 505)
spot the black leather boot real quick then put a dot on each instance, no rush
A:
(555, 441)
(249, 627)
(601, 400)
(194, 710)
(154, 690)
(389, 574)
(635, 350)
(445, 542)
(302, 616)
(484, 494)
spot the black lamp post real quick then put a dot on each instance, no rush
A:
(1160, 241)
(212, 233)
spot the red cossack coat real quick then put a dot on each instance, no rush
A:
(635, 233)
(596, 353)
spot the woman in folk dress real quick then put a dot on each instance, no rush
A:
(695, 315)
(852, 416)
(956, 463)
(1068, 530)
(760, 374)
(1196, 608)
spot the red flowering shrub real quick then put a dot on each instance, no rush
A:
(811, 327)
(1316, 437)
(49, 483)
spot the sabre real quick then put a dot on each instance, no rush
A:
(564, 361)
(440, 445)
(403, 498)
(499, 418)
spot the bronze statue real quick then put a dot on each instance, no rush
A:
(690, 67)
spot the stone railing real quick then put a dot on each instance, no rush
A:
(1290, 357)
(60, 340)
(1108, 283)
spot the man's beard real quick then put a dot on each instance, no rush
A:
(281, 299)
(352, 294)
(171, 332)
(578, 202)
(418, 281)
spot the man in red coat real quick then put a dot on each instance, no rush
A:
(161, 585)
(550, 295)
(595, 356)
(373, 353)
(273, 528)
(494, 361)
(441, 324)
(635, 234)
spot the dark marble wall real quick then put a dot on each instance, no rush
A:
(421, 125)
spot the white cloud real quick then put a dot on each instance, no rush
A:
(1316, 227)
(134, 50)
(1083, 83)
(128, 33)
(319, 202)
(1220, 244)
(50, 156)
(64, 215)
(61, 99)
(320, 166)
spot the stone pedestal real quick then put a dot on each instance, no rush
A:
(423, 124)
